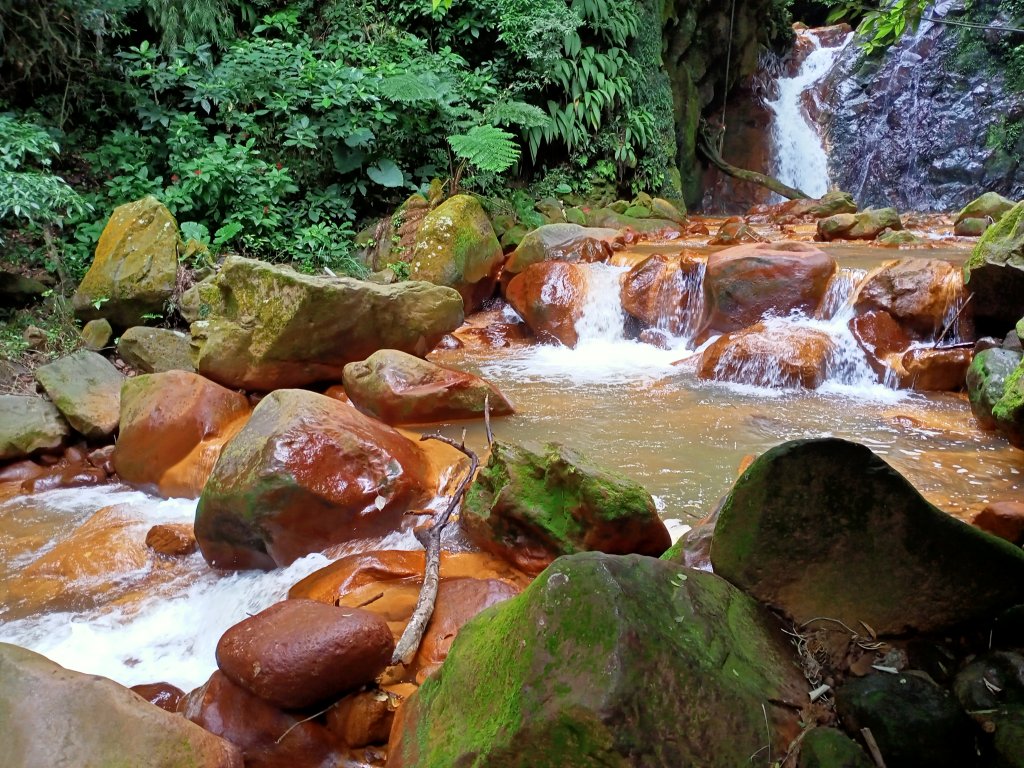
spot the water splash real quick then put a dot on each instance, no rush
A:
(602, 318)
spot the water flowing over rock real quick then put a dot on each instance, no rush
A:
(52, 716)
(611, 661)
(912, 127)
(667, 293)
(995, 274)
(769, 355)
(550, 297)
(268, 326)
(921, 294)
(304, 473)
(29, 424)
(826, 528)
(86, 389)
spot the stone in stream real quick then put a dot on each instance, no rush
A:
(825, 527)
(1008, 411)
(735, 232)
(662, 291)
(303, 653)
(633, 227)
(991, 690)
(866, 225)
(306, 472)
(398, 388)
(86, 388)
(883, 340)
(266, 326)
(563, 242)
(971, 227)
(918, 293)
(609, 660)
(744, 283)
(995, 274)
(51, 716)
(531, 506)
(135, 269)
(989, 208)
(934, 370)
(96, 334)
(768, 355)
(163, 695)
(1004, 519)
(173, 425)
(155, 350)
(549, 296)
(986, 382)
(29, 424)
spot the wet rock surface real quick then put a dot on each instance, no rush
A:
(549, 296)
(86, 389)
(29, 424)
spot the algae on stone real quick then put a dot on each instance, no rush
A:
(86, 388)
(29, 424)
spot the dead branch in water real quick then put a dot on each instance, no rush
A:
(949, 326)
(430, 538)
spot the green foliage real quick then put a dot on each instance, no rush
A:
(486, 147)
(878, 27)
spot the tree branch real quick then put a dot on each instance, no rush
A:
(708, 150)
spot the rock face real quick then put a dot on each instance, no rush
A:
(135, 267)
(301, 653)
(456, 247)
(917, 292)
(268, 327)
(100, 723)
(617, 661)
(529, 508)
(563, 242)
(155, 350)
(398, 388)
(745, 282)
(768, 355)
(29, 424)
(173, 426)
(549, 296)
(304, 473)
(881, 554)
(86, 389)
(995, 274)
(666, 292)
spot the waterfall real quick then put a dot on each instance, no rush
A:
(799, 154)
(602, 318)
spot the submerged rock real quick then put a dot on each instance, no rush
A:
(611, 661)
(826, 528)
(549, 296)
(29, 424)
(768, 355)
(530, 507)
(304, 473)
(995, 274)
(86, 388)
(52, 716)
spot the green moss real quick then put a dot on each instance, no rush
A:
(1010, 407)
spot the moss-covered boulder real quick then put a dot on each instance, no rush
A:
(991, 690)
(135, 268)
(86, 388)
(51, 716)
(995, 274)
(29, 424)
(155, 350)
(456, 246)
(986, 382)
(398, 388)
(608, 661)
(532, 506)
(647, 228)
(267, 326)
(972, 227)
(825, 527)
(866, 225)
(306, 472)
(990, 206)
(563, 242)
(831, 748)
(1008, 411)
(96, 334)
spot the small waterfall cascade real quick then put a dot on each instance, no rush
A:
(799, 155)
(681, 301)
(956, 298)
(602, 318)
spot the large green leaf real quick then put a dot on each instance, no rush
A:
(386, 173)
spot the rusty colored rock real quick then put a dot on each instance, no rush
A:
(767, 356)
(163, 695)
(883, 339)
(172, 540)
(662, 291)
(363, 718)
(918, 293)
(735, 231)
(935, 370)
(1004, 519)
(549, 296)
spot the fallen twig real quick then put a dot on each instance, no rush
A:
(952, 322)
(876, 754)
(296, 724)
(487, 420)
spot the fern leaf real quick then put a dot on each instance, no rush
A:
(486, 147)
(516, 113)
(408, 88)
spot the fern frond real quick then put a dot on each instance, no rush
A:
(408, 88)
(487, 148)
(517, 113)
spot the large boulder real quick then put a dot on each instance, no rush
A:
(934, 370)
(769, 355)
(398, 388)
(563, 242)
(1008, 411)
(550, 297)
(630, 225)
(986, 382)
(456, 246)
(135, 269)
(267, 326)
(995, 274)
(990, 205)
(744, 283)
(51, 716)
(173, 425)
(155, 350)
(530, 507)
(304, 473)
(920, 293)
(824, 527)
(665, 292)
(611, 661)
(883, 340)
(86, 388)
(29, 424)
(866, 225)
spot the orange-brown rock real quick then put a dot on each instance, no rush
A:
(256, 727)
(163, 695)
(662, 291)
(563, 242)
(768, 356)
(398, 388)
(301, 653)
(1004, 519)
(918, 293)
(745, 282)
(173, 426)
(19, 471)
(883, 339)
(935, 370)
(735, 231)
(549, 296)
(174, 540)
(363, 718)
(65, 475)
(307, 472)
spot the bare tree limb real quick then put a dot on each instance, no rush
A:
(487, 420)
(410, 640)
(769, 182)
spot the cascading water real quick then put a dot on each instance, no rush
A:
(800, 159)
(602, 319)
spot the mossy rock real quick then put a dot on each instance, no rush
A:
(135, 269)
(986, 382)
(608, 661)
(825, 527)
(456, 247)
(663, 209)
(96, 334)
(831, 748)
(29, 424)
(990, 205)
(894, 238)
(576, 216)
(155, 350)
(995, 274)
(532, 506)
(637, 212)
(611, 219)
(832, 203)
(86, 388)
(1008, 411)
(971, 227)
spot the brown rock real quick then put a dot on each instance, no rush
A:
(173, 540)
(1004, 519)
(563, 242)
(935, 370)
(744, 283)
(18, 471)
(549, 296)
(918, 293)
(363, 718)
(768, 356)
(65, 476)
(664, 292)
(735, 231)
(163, 695)
(300, 653)
(883, 339)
